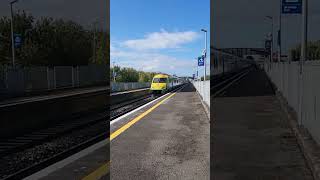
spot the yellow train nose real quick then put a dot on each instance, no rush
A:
(158, 86)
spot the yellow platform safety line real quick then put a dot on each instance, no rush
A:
(105, 168)
(99, 173)
(138, 118)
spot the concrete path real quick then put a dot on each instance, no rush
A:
(250, 135)
(172, 142)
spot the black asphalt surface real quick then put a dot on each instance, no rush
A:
(250, 135)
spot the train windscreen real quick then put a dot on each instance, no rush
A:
(159, 80)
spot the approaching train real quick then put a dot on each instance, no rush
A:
(162, 83)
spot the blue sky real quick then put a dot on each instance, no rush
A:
(159, 35)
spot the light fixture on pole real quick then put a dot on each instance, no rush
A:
(94, 38)
(205, 53)
(271, 49)
(279, 33)
(113, 73)
(304, 56)
(12, 36)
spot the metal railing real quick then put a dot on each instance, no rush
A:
(20, 80)
(306, 100)
(224, 62)
(125, 86)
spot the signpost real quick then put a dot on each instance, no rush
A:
(201, 61)
(268, 45)
(297, 7)
(17, 40)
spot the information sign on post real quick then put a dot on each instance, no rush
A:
(200, 61)
(291, 6)
(17, 40)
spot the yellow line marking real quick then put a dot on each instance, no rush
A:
(132, 122)
(98, 173)
(105, 168)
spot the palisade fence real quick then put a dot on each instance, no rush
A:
(20, 80)
(125, 86)
(286, 76)
(203, 88)
(225, 62)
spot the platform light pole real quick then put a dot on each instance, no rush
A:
(113, 73)
(12, 36)
(279, 32)
(205, 52)
(303, 54)
(94, 39)
(271, 51)
(304, 34)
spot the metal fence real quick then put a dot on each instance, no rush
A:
(203, 88)
(125, 86)
(286, 76)
(225, 62)
(29, 79)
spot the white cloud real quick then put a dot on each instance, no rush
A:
(143, 54)
(152, 62)
(162, 40)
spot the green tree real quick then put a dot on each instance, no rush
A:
(51, 42)
(313, 51)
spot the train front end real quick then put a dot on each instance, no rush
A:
(159, 84)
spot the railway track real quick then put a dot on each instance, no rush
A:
(24, 155)
(125, 107)
(221, 83)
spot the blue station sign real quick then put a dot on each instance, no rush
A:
(17, 40)
(201, 61)
(291, 6)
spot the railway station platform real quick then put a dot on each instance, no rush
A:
(251, 137)
(168, 139)
(92, 163)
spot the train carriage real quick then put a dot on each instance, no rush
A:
(162, 83)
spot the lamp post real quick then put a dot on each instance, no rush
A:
(12, 38)
(113, 74)
(94, 39)
(279, 32)
(303, 55)
(271, 51)
(205, 53)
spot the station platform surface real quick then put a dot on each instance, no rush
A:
(251, 138)
(169, 139)
(51, 95)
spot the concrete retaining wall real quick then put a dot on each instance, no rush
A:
(203, 88)
(286, 77)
